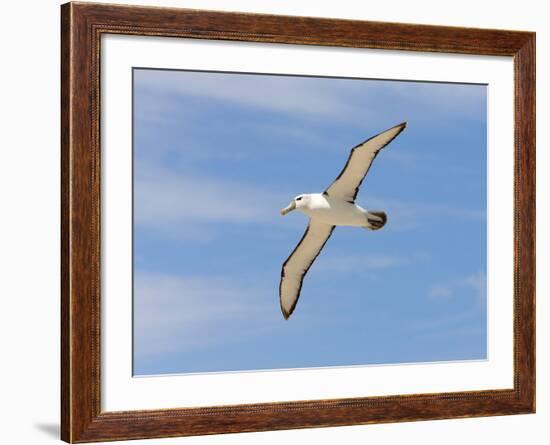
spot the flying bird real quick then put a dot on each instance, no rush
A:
(334, 207)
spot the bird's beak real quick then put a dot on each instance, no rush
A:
(288, 208)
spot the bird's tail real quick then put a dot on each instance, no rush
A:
(376, 220)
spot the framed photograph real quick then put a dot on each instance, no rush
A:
(274, 222)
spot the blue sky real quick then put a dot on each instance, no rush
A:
(216, 156)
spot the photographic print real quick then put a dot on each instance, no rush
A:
(274, 222)
(286, 222)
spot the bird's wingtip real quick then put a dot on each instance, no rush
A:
(286, 313)
(399, 127)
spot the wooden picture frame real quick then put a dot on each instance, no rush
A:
(82, 25)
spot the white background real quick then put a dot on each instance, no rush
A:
(29, 239)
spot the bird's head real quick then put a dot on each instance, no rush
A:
(299, 202)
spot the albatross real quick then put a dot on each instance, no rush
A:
(334, 207)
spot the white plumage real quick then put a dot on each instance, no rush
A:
(334, 207)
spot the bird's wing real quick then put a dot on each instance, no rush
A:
(298, 263)
(347, 184)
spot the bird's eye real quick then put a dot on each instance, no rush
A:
(297, 199)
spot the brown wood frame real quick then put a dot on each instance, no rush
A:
(82, 25)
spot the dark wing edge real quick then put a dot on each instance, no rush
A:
(288, 313)
(403, 125)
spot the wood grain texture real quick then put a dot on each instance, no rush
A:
(65, 227)
(81, 29)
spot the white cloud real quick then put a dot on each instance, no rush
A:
(180, 313)
(459, 100)
(408, 215)
(459, 323)
(354, 101)
(180, 204)
(476, 282)
(272, 93)
(440, 292)
(367, 262)
(407, 158)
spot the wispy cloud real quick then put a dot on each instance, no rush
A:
(345, 264)
(406, 158)
(408, 215)
(180, 205)
(181, 313)
(272, 93)
(462, 324)
(441, 291)
(458, 100)
(444, 291)
(356, 101)
(176, 203)
(188, 184)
